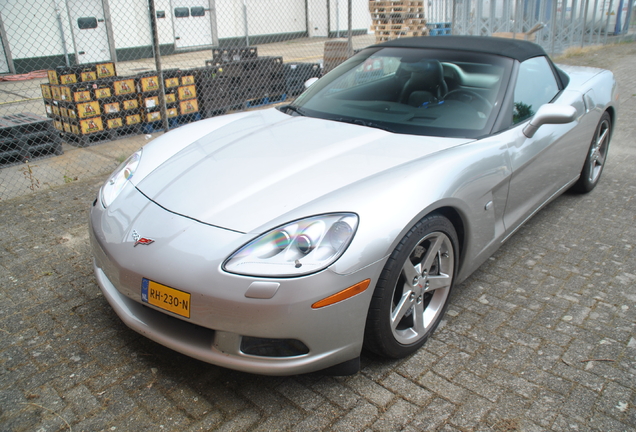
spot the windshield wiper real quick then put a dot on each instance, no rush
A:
(294, 109)
(362, 123)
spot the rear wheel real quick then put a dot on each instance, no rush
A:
(413, 291)
(596, 156)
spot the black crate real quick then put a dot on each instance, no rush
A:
(80, 110)
(296, 74)
(80, 92)
(236, 85)
(85, 132)
(218, 95)
(261, 66)
(85, 72)
(251, 78)
(12, 150)
(27, 136)
(42, 144)
(110, 106)
(105, 70)
(23, 124)
(171, 78)
(147, 82)
(229, 54)
(115, 126)
(46, 92)
(149, 102)
(125, 87)
(102, 88)
(171, 95)
(62, 75)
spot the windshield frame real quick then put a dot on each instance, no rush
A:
(320, 88)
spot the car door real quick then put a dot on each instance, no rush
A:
(540, 165)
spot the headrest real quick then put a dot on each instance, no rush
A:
(425, 69)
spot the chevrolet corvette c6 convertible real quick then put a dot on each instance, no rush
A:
(283, 241)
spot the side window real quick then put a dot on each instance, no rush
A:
(536, 85)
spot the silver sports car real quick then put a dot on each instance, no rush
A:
(283, 241)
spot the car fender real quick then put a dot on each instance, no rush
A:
(471, 178)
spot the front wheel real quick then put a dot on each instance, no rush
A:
(413, 290)
(596, 156)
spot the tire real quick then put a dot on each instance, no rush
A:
(596, 156)
(413, 290)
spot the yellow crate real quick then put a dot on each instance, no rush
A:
(91, 125)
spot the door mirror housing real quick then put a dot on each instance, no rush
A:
(549, 114)
(310, 81)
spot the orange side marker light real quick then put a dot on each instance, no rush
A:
(343, 295)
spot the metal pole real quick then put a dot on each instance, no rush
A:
(453, 18)
(338, 19)
(572, 23)
(155, 48)
(247, 35)
(585, 6)
(518, 24)
(349, 29)
(5, 48)
(479, 19)
(591, 38)
(609, 14)
(213, 29)
(108, 23)
(59, 22)
(553, 25)
(628, 18)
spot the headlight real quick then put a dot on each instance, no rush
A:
(297, 248)
(118, 179)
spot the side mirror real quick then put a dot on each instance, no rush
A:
(549, 114)
(310, 81)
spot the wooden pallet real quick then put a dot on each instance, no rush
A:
(401, 30)
(392, 26)
(405, 21)
(397, 5)
(384, 36)
(397, 10)
(396, 19)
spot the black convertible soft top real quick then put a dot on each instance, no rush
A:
(512, 48)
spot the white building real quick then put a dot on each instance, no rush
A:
(41, 34)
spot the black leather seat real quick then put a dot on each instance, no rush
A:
(426, 83)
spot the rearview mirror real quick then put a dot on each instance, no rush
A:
(549, 114)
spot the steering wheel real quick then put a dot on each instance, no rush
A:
(470, 97)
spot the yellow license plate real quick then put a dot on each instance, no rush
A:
(166, 298)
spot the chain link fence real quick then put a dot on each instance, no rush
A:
(77, 76)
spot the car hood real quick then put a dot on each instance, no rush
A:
(263, 165)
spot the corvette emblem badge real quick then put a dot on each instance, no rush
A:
(140, 240)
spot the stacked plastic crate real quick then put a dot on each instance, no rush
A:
(147, 85)
(397, 19)
(182, 105)
(439, 29)
(238, 78)
(296, 74)
(188, 103)
(74, 99)
(171, 80)
(130, 116)
(27, 136)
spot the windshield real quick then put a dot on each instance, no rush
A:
(412, 91)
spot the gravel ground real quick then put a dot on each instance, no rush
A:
(541, 337)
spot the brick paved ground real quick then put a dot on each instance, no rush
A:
(542, 337)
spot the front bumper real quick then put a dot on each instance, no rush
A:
(187, 255)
